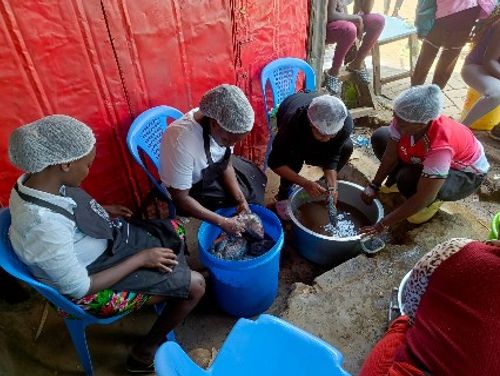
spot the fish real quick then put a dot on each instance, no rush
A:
(253, 242)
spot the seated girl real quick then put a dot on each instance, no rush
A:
(481, 71)
(342, 30)
(67, 240)
(450, 325)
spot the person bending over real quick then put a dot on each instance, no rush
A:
(430, 157)
(196, 162)
(315, 130)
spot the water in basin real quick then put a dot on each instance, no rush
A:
(314, 216)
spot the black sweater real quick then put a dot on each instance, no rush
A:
(295, 144)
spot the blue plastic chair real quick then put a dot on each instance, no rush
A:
(282, 77)
(268, 346)
(80, 319)
(145, 134)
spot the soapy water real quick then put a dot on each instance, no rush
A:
(345, 226)
(315, 216)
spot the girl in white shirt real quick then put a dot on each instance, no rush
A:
(107, 266)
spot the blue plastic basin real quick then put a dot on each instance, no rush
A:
(248, 287)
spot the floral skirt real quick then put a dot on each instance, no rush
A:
(107, 303)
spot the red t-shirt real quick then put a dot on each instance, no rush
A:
(446, 144)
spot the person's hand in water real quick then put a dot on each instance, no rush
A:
(375, 229)
(314, 189)
(232, 226)
(118, 211)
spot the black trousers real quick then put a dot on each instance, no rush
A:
(285, 184)
(458, 184)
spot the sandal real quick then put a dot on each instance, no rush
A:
(136, 366)
(361, 73)
(333, 84)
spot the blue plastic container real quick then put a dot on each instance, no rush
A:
(248, 287)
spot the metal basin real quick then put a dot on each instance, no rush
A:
(330, 250)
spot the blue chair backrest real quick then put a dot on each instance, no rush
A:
(265, 347)
(282, 76)
(145, 134)
(12, 265)
(278, 345)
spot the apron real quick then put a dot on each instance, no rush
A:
(210, 191)
(124, 240)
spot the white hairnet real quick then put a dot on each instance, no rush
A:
(419, 104)
(49, 141)
(327, 114)
(229, 106)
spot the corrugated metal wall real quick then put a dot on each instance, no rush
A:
(104, 62)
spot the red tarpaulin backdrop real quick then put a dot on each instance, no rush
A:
(104, 62)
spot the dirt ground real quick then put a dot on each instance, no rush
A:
(346, 306)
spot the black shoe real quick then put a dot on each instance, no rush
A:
(135, 366)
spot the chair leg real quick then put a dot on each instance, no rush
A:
(413, 44)
(171, 336)
(76, 330)
(159, 309)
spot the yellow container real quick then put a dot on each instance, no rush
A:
(488, 121)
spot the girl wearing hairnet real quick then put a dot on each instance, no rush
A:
(315, 130)
(196, 162)
(449, 324)
(429, 157)
(104, 261)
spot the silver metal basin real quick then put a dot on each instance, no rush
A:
(329, 250)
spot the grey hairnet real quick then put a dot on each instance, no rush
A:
(327, 114)
(229, 106)
(49, 141)
(419, 104)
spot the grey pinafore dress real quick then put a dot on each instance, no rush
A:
(124, 240)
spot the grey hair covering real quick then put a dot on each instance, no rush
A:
(49, 141)
(327, 114)
(229, 106)
(419, 104)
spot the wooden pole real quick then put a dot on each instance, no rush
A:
(318, 18)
